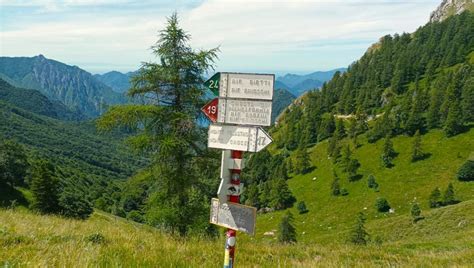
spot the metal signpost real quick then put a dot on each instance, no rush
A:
(242, 106)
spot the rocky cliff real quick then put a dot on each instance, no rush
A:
(450, 7)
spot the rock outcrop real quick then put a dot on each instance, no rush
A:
(450, 7)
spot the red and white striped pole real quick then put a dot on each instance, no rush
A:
(229, 257)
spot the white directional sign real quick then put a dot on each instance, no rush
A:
(234, 216)
(246, 86)
(240, 138)
(244, 112)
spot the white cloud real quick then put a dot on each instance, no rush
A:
(257, 34)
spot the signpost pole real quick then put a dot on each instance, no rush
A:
(229, 257)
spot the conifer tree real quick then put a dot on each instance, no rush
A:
(416, 121)
(280, 194)
(44, 187)
(167, 125)
(352, 168)
(346, 157)
(359, 235)
(435, 198)
(448, 197)
(302, 207)
(287, 231)
(467, 103)
(382, 205)
(371, 183)
(415, 212)
(340, 131)
(417, 151)
(335, 186)
(454, 121)
(302, 161)
(466, 171)
(13, 163)
(388, 153)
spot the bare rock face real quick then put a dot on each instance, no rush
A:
(449, 8)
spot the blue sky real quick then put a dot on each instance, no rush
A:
(279, 36)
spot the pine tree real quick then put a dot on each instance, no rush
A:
(371, 183)
(334, 149)
(167, 125)
(415, 212)
(435, 198)
(359, 235)
(449, 198)
(287, 231)
(280, 195)
(302, 207)
(388, 153)
(13, 163)
(335, 186)
(467, 103)
(302, 161)
(416, 121)
(382, 205)
(352, 168)
(346, 157)
(454, 121)
(417, 152)
(340, 131)
(466, 171)
(44, 188)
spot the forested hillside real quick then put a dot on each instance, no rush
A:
(74, 87)
(392, 133)
(33, 101)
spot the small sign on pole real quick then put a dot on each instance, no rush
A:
(240, 138)
(233, 216)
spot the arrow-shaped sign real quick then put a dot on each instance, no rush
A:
(213, 83)
(241, 138)
(211, 109)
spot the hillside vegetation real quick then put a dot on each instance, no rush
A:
(107, 241)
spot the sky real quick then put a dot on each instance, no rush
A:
(280, 36)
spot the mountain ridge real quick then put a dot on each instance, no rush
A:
(71, 85)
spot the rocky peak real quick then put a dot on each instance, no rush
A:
(450, 7)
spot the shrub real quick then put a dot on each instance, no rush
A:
(449, 198)
(359, 235)
(75, 205)
(382, 205)
(435, 198)
(416, 212)
(344, 192)
(302, 207)
(466, 171)
(96, 238)
(371, 183)
(287, 232)
(135, 215)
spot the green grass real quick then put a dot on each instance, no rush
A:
(329, 217)
(27, 239)
(445, 237)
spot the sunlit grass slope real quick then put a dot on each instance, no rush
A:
(330, 217)
(32, 240)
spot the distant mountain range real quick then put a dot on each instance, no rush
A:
(77, 89)
(298, 84)
(119, 82)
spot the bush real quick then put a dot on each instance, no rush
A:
(435, 198)
(466, 171)
(371, 183)
(287, 232)
(135, 215)
(344, 192)
(75, 205)
(359, 235)
(96, 238)
(302, 207)
(382, 205)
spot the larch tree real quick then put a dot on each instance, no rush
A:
(167, 125)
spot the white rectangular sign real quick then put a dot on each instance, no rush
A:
(246, 86)
(234, 216)
(245, 112)
(239, 138)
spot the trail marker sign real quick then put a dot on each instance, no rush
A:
(242, 85)
(239, 138)
(233, 216)
(239, 111)
(211, 110)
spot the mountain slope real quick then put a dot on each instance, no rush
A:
(281, 99)
(105, 240)
(33, 101)
(119, 82)
(75, 147)
(74, 87)
(298, 84)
